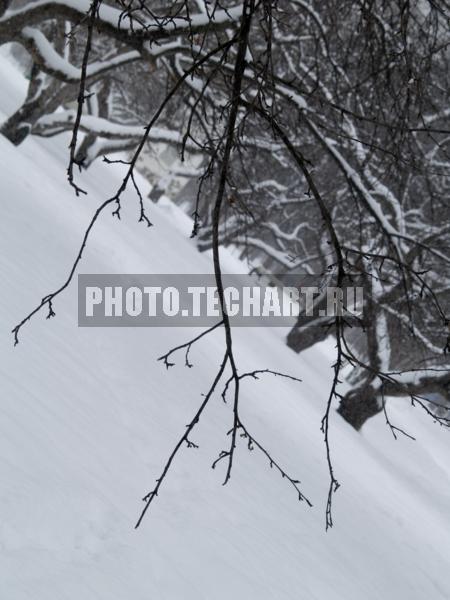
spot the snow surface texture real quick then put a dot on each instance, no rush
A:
(88, 417)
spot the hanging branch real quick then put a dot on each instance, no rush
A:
(148, 498)
(91, 17)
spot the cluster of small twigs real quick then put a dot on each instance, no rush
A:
(238, 428)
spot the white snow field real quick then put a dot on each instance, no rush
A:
(88, 418)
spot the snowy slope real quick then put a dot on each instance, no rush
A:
(88, 417)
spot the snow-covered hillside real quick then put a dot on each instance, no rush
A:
(88, 417)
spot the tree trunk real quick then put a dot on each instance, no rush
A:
(364, 402)
(82, 154)
(303, 337)
(43, 97)
(19, 124)
(305, 334)
(4, 5)
(359, 405)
